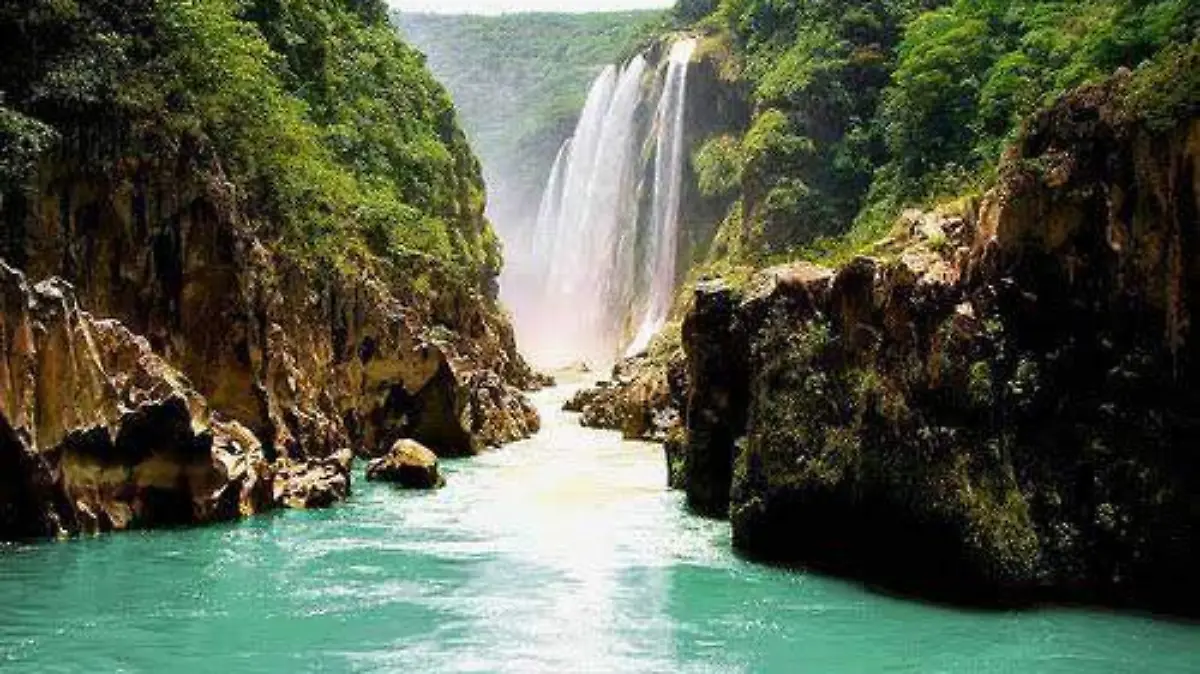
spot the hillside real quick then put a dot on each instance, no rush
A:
(519, 82)
(942, 338)
(863, 110)
(233, 257)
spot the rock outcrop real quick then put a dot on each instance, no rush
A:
(643, 399)
(317, 483)
(1000, 404)
(307, 365)
(311, 361)
(98, 433)
(408, 464)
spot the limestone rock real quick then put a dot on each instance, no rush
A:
(307, 362)
(99, 433)
(312, 484)
(716, 355)
(644, 398)
(410, 465)
(583, 398)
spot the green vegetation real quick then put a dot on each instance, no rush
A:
(519, 82)
(339, 143)
(865, 107)
(718, 165)
(968, 74)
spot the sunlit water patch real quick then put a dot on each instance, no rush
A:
(560, 554)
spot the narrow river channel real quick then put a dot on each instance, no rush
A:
(564, 553)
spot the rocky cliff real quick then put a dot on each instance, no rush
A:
(996, 404)
(99, 433)
(235, 259)
(304, 365)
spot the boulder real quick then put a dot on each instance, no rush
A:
(313, 484)
(410, 465)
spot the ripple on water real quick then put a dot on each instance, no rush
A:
(559, 554)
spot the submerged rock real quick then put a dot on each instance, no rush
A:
(410, 465)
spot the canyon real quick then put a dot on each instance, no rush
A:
(824, 322)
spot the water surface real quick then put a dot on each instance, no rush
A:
(559, 554)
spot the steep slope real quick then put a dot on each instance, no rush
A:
(998, 405)
(988, 396)
(316, 265)
(98, 432)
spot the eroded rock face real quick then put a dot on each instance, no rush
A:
(313, 361)
(98, 433)
(313, 364)
(312, 484)
(644, 398)
(410, 465)
(1001, 406)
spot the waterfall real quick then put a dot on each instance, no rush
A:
(582, 267)
(551, 203)
(668, 184)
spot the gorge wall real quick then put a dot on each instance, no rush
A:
(174, 349)
(997, 404)
(310, 364)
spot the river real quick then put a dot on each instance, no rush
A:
(564, 553)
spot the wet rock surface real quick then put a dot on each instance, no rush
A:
(999, 406)
(98, 433)
(410, 465)
(643, 399)
(312, 484)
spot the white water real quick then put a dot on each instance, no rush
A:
(668, 179)
(583, 282)
(551, 203)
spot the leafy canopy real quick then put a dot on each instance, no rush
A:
(337, 138)
(865, 106)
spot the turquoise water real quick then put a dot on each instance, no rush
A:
(561, 554)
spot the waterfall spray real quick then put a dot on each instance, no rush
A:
(581, 258)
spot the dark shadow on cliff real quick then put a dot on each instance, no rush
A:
(977, 599)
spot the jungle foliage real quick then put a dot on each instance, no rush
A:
(337, 139)
(863, 107)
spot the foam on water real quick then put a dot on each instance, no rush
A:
(563, 553)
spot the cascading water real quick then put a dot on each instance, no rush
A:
(551, 203)
(668, 185)
(582, 270)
